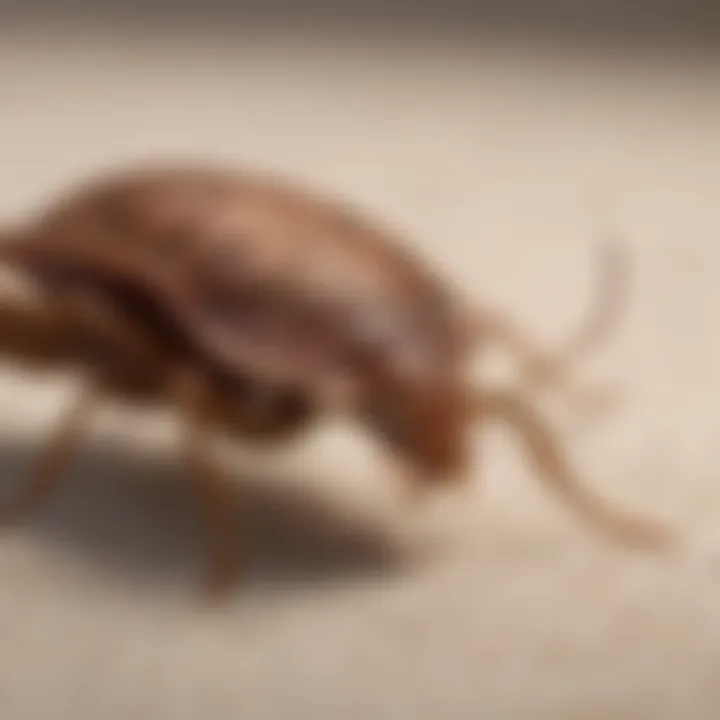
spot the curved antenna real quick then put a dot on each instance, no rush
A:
(546, 457)
(611, 296)
(539, 369)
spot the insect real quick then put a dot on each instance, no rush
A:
(254, 307)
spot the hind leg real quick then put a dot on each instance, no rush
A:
(217, 510)
(54, 463)
(547, 458)
(215, 495)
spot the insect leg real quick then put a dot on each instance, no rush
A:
(545, 454)
(215, 494)
(54, 463)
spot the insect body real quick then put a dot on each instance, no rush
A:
(255, 308)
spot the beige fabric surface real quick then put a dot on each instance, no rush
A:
(504, 165)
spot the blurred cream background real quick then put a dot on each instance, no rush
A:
(504, 145)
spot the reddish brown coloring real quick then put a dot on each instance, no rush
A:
(255, 307)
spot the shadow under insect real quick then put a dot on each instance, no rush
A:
(135, 518)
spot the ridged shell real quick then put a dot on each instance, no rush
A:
(264, 279)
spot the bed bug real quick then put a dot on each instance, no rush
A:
(256, 307)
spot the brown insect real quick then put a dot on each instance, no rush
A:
(255, 308)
